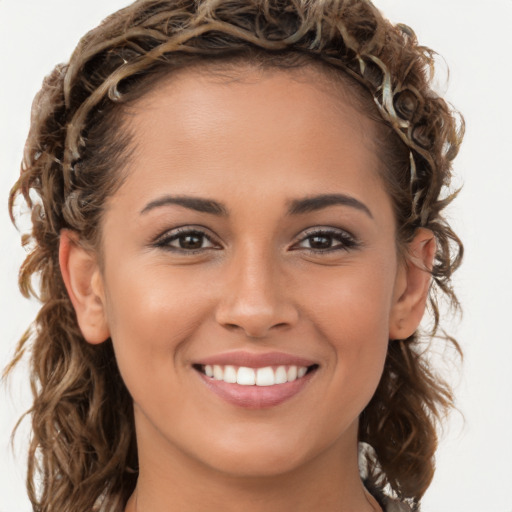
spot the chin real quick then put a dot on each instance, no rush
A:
(260, 453)
(262, 463)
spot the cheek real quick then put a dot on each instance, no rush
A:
(151, 316)
(352, 314)
(354, 302)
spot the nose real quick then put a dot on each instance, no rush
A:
(256, 298)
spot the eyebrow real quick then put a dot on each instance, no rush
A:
(193, 203)
(314, 203)
(295, 206)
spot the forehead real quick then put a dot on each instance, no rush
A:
(199, 96)
(224, 127)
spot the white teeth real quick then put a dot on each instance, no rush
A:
(218, 373)
(245, 376)
(292, 373)
(230, 374)
(265, 377)
(281, 376)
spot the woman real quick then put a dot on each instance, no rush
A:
(237, 218)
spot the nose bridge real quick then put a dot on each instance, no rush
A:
(255, 299)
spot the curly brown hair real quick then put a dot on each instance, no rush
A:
(83, 447)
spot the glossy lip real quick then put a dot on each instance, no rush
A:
(256, 397)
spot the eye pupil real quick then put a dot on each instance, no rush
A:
(191, 241)
(320, 242)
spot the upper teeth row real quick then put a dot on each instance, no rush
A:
(245, 376)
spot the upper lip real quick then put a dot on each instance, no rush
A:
(255, 360)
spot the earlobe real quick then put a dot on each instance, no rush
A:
(412, 286)
(84, 284)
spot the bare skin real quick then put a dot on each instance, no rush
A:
(326, 285)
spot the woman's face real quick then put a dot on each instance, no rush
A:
(253, 232)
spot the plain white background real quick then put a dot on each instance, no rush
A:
(474, 37)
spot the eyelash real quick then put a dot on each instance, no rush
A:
(164, 241)
(347, 241)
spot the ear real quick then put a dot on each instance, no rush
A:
(84, 283)
(412, 285)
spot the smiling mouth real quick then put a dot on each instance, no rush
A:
(263, 377)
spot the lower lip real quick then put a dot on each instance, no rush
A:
(257, 397)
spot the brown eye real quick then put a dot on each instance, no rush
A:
(324, 241)
(321, 241)
(186, 241)
(191, 241)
